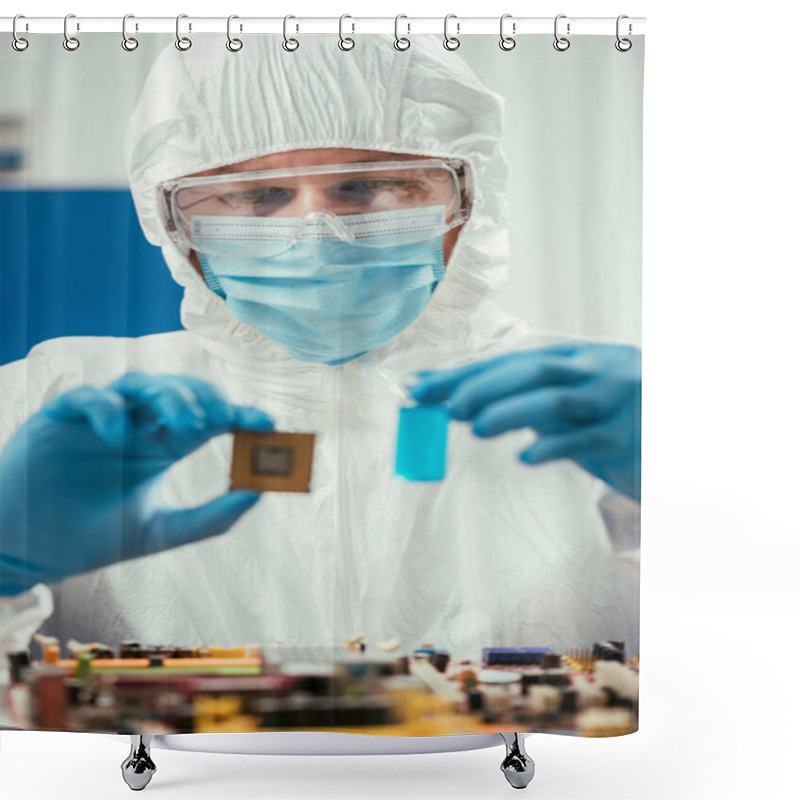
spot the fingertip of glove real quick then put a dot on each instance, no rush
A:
(255, 419)
(417, 390)
(479, 428)
(245, 497)
(460, 413)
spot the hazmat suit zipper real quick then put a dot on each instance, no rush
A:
(342, 534)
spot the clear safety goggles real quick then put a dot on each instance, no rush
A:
(373, 204)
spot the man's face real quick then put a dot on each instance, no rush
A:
(312, 198)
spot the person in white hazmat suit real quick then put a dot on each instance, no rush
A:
(117, 520)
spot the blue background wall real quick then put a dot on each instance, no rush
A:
(75, 262)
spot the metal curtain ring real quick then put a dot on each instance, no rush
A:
(234, 45)
(561, 43)
(401, 42)
(507, 42)
(345, 42)
(623, 45)
(70, 42)
(182, 42)
(18, 43)
(290, 44)
(128, 42)
(451, 42)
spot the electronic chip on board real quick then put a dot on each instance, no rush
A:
(272, 461)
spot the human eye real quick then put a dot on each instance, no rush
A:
(258, 201)
(379, 191)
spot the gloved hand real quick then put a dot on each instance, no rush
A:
(79, 480)
(583, 400)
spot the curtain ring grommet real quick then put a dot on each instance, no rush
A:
(451, 42)
(129, 43)
(401, 42)
(622, 44)
(507, 42)
(561, 43)
(18, 42)
(183, 43)
(233, 44)
(290, 44)
(346, 42)
(70, 43)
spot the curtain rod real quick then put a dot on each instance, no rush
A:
(460, 26)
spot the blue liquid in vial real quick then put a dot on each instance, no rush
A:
(422, 443)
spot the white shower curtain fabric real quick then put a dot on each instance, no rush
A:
(505, 594)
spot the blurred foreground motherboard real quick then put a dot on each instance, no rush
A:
(168, 690)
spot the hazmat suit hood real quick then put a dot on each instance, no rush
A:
(206, 108)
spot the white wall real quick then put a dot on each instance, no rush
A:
(64, 96)
(574, 143)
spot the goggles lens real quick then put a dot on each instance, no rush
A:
(377, 205)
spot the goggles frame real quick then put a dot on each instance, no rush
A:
(170, 215)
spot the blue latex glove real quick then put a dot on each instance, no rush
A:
(79, 479)
(583, 400)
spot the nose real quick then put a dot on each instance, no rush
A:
(308, 197)
(316, 220)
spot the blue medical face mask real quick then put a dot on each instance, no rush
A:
(326, 299)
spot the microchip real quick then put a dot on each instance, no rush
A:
(272, 462)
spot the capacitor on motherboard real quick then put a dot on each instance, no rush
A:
(569, 701)
(475, 699)
(51, 647)
(18, 663)
(557, 677)
(130, 650)
(609, 651)
(468, 679)
(440, 660)
(551, 661)
(51, 653)
(76, 691)
(356, 644)
(84, 666)
(51, 699)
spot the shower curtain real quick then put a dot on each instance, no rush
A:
(320, 384)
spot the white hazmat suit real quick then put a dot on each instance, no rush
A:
(498, 554)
